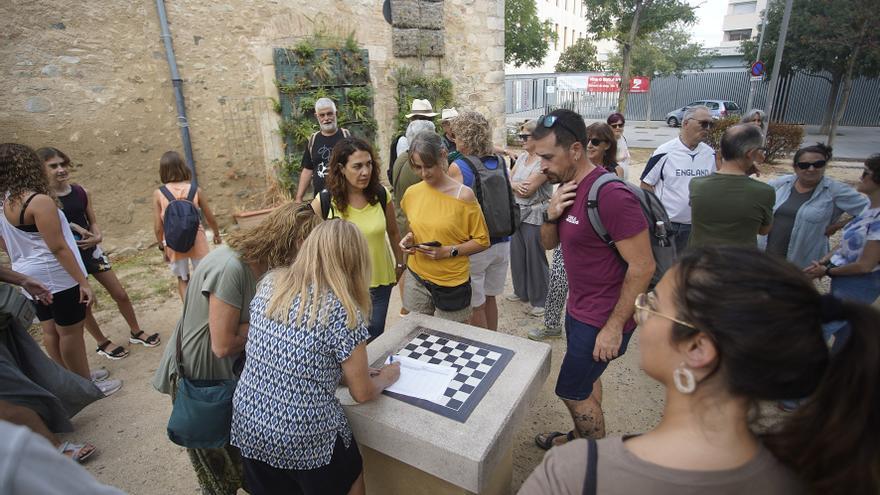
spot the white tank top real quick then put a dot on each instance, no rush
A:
(31, 256)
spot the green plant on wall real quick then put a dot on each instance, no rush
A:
(412, 84)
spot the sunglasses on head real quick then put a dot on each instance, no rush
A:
(596, 141)
(549, 121)
(617, 126)
(806, 165)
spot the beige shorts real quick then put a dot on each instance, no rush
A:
(417, 299)
(489, 272)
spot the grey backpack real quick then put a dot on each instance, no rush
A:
(493, 191)
(658, 222)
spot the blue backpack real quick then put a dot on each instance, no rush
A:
(181, 222)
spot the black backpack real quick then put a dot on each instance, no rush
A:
(495, 196)
(181, 222)
(393, 156)
(662, 246)
(325, 198)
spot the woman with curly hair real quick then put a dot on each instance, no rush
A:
(41, 245)
(213, 329)
(354, 193)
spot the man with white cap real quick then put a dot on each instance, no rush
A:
(446, 116)
(317, 153)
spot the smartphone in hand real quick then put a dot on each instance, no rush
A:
(429, 244)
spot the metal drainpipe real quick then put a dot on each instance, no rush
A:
(177, 84)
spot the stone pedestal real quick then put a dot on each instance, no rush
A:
(411, 450)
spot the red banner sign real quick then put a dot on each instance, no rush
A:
(611, 84)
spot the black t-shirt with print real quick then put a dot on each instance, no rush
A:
(320, 150)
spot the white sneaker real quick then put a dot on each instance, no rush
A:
(538, 312)
(99, 375)
(543, 332)
(109, 387)
(512, 298)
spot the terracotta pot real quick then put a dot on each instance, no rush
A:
(248, 219)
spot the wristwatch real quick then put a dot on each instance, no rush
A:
(453, 251)
(547, 218)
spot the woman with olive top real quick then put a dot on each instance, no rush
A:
(447, 226)
(354, 193)
(808, 208)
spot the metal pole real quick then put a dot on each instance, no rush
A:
(754, 84)
(777, 63)
(177, 84)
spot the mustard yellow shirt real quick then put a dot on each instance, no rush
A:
(434, 216)
(371, 221)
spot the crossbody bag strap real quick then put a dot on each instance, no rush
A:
(590, 482)
(179, 353)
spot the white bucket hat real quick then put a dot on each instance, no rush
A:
(421, 107)
(448, 113)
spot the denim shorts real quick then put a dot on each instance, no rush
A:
(579, 370)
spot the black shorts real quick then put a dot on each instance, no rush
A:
(95, 265)
(65, 308)
(334, 478)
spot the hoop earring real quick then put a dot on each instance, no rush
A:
(684, 380)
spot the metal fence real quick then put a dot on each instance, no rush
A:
(800, 98)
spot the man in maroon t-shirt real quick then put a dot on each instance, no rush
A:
(603, 282)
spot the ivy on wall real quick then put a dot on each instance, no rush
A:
(412, 84)
(320, 68)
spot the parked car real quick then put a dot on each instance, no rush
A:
(718, 108)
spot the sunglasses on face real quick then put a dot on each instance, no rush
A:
(705, 124)
(524, 136)
(549, 121)
(806, 165)
(596, 141)
(617, 126)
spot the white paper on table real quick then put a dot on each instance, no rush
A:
(421, 380)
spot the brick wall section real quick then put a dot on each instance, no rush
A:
(91, 79)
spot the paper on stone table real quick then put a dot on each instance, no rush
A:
(421, 380)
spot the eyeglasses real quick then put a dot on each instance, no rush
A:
(596, 141)
(816, 165)
(645, 304)
(617, 126)
(524, 136)
(549, 121)
(705, 124)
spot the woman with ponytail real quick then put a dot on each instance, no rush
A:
(728, 327)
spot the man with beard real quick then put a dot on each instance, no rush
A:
(603, 281)
(317, 153)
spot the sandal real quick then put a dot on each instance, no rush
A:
(149, 341)
(79, 452)
(117, 353)
(545, 440)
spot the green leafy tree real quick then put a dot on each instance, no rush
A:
(579, 57)
(526, 38)
(836, 40)
(628, 21)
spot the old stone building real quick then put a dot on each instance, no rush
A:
(91, 79)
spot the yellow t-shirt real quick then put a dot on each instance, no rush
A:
(371, 221)
(434, 216)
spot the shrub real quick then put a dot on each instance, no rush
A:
(783, 139)
(714, 139)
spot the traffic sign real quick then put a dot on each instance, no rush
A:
(757, 69)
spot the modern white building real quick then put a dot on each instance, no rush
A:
(741, 21)
(567, 19)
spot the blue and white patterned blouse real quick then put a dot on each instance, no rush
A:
(285, 411)
(863, 228)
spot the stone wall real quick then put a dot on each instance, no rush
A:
(91, 79)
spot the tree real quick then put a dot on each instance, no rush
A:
(579, 57)
(835, 40)
(526, 38)
(627, 21)
(664, 53)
